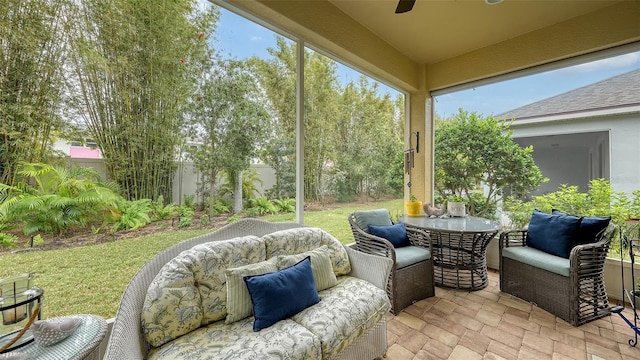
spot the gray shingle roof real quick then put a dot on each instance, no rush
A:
(615, 92)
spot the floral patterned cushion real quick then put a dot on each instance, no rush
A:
(283, 340)
(172, 305)
(190, 290)
(299, 240)
(345, 312)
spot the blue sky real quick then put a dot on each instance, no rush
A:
(241, 38)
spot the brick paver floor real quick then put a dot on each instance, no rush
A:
(489, 324)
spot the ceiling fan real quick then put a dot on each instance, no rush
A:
(406, 5)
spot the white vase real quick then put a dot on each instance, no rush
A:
(455, 208)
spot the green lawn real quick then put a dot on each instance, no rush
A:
(91, 279)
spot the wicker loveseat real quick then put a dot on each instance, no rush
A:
(180, 304)
(567, 281)
(411, 277)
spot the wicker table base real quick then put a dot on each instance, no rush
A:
(459, 249)
(455, 265)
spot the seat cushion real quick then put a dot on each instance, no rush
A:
(283, 340)
(409, 255)
(345, 312)
(553, 233)
(379, 217)
(538, 258)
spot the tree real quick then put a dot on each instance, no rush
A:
(369, 137)
(31, 79)
(471, 150)
(135, 66)
(277, 78)
(226, 122)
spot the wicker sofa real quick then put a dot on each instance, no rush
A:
(153, 320)
(571, 287)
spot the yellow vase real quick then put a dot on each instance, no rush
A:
(413, 207)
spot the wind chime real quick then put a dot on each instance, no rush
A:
(409, 154)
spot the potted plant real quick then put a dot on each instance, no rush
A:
(413, 206)
(455, 205)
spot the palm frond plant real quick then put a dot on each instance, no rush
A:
(250, 178)
(52, 199)
(261, 206)
(285, 205)
(132, 215)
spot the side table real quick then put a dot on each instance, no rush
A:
(459, 249)
(82, 344)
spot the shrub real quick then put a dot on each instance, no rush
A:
(7, 240)
(261, 206)
(599, 200)
(190, 201)
(52, 200)
(161, 212)
(205, 220)
(472, 150)
(221, 206)
(285, 205)
(132, 215)
(186, 216)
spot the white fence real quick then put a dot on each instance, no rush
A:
(186, 179)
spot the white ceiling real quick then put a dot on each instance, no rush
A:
(436, 30)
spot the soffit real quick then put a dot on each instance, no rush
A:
(445, 43)
(436, 30)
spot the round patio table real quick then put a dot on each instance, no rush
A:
(459, 246)
(82, 344)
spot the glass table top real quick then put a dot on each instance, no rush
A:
(458, 224)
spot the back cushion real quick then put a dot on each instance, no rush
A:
(190, 290)
(378, 217)
(590, 227)
(553, 233)
(298, 240)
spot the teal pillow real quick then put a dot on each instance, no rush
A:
(396, 234)
(377, 217)
(553, 233)
(590, 227)
(277, 296)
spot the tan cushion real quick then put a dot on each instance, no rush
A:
(321, 266)
(239, 304)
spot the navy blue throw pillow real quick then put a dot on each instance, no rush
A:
(396, 234)
(553, 233)
(282, 294)
(590, 227)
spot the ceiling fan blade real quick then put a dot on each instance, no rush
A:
(405, 6)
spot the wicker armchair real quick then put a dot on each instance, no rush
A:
(578, 298)
(408, 283)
